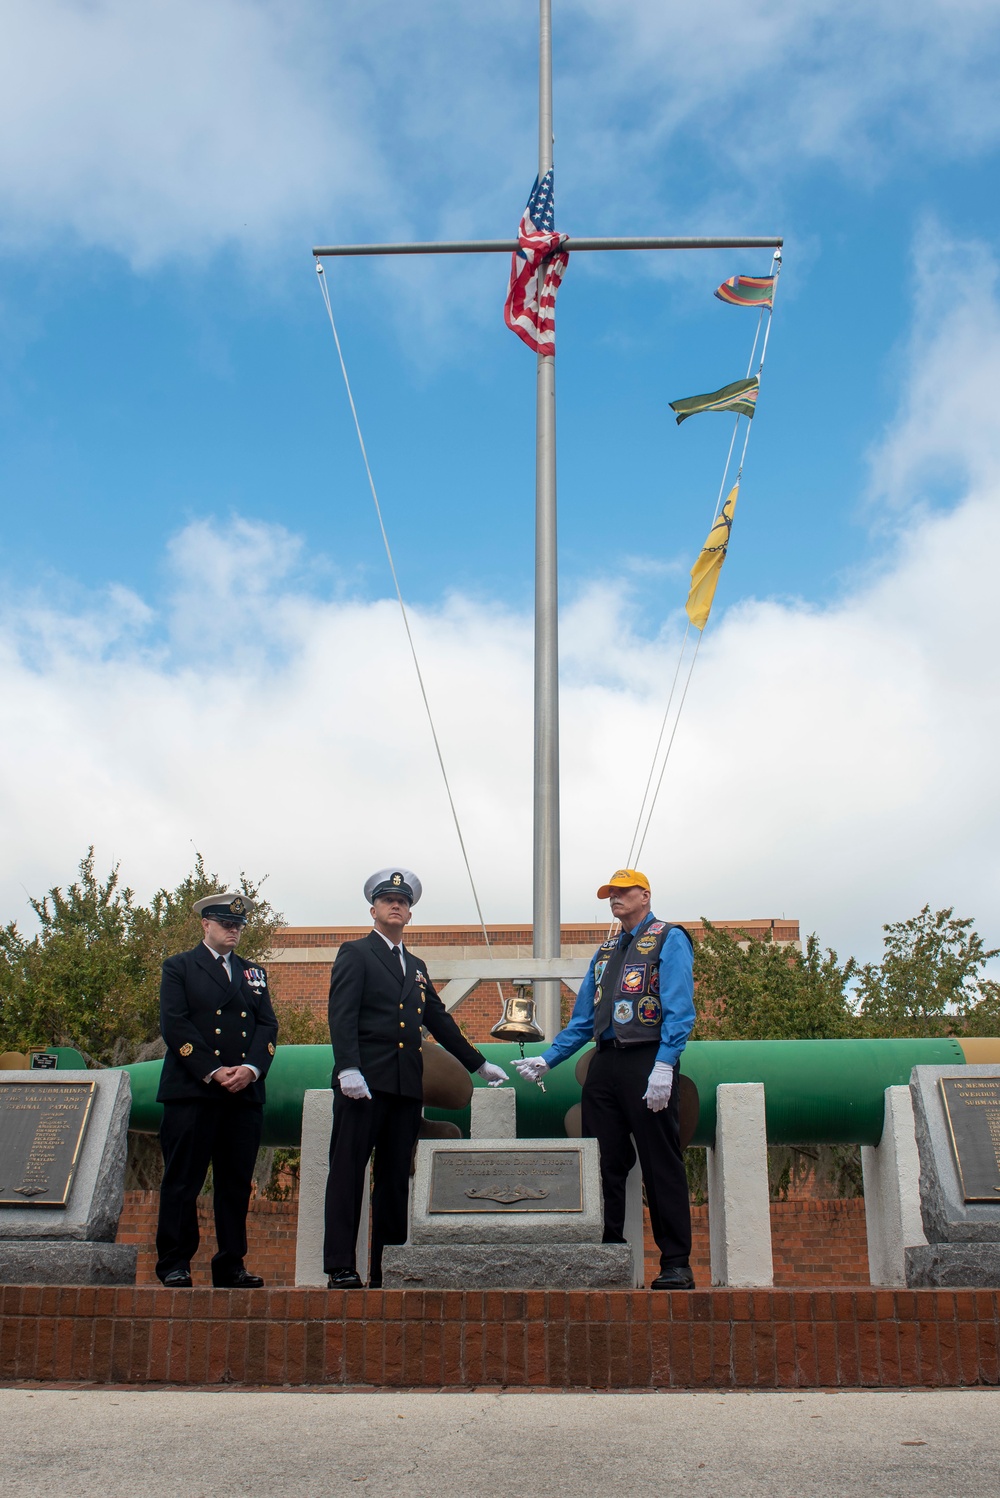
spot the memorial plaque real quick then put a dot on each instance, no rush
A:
(41, 1130)
(972, 1108)
(507, 1181)
(43, 1061)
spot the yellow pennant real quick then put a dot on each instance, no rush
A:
(705, 572)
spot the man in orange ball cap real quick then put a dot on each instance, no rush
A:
(637, 1004)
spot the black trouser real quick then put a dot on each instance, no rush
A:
(387, 1124)
(614, 1114)
(226, 1134)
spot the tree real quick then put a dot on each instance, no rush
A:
(930, 981)
(750, 988)
(90, 977)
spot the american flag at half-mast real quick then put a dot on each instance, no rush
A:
(536, 270)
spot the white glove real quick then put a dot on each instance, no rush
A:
(353, 1084)
(531, 1068)
(493, 1076)
(661, 1085)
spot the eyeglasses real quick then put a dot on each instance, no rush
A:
(227, 924)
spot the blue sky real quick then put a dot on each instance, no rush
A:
(185, 509)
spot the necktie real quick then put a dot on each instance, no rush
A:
(225, 970)
(398, 951)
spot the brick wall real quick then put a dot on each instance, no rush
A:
(572, 933)
(412, 1339)
(306, 982)
(271, 1230)
(814, 1242)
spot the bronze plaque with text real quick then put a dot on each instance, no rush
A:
(41, 1130)
(506, 1181)
(972, 1107)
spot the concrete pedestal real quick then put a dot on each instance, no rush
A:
(515, 1266)
(945, 1266)
(635, 1235)
(67, 1263)
(739, 1207)
(317, 1121)
(494, 1113)
(892, 1192)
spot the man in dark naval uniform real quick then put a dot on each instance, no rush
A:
(219, 1026)
(380, 996)
(637, 1003)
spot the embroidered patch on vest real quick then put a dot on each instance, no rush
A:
(634, 977)
(598, 995)
(609, 945)
(599, 969)
(645, 945)
(654, 979)
(623, 1011)
(656, 927)
(650, 1012)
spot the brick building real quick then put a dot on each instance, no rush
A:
(299, 966)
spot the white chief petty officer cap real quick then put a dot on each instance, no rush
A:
(393, 882)
(228, 905)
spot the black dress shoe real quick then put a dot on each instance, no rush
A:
(241, 1280)
(677, 1277)
(177, 1279)
(343, 1279)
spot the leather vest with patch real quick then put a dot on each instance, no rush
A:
(627, 992)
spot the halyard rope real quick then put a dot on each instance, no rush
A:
(402, 608)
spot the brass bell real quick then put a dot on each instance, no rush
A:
(518, 1021)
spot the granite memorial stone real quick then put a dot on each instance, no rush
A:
(63, 1142)
(956, 1112)
(507, 1214)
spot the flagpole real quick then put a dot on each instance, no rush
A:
(545, 872)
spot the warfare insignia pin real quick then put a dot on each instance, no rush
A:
(421, 978)
(237, 907)
(634, 977)
(650, 1012)
(186, 1048)
(623, 1011)
(270, 1048)
(645, 945)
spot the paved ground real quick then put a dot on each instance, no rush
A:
(307, 1444)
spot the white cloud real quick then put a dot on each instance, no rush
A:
(173, 127)
(836, 764)
(179, 127)
(948, 432)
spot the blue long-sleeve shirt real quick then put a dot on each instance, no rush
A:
(676, 999)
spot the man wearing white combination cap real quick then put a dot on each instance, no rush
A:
(380, 996)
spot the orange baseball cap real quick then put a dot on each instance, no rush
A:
(623, 879)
